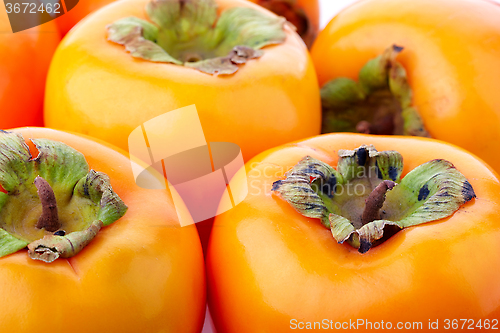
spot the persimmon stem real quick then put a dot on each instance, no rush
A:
(49, 220)
(375, 201)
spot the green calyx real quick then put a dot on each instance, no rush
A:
(189, 33)
(52, 201)
(379, 103)
(291, 10)
(365, 200)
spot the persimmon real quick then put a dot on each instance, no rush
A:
(103, 253)
(358, 228)
(303, 14)
(24, 64)
(77, 13)
(440, 68)
(245, 69)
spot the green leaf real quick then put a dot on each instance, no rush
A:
(184, 20)
(297, 188)
(96, 187)
(14, 158)
(240, 26)
(121, 30)
(60, 166)
(139, 37)
(10, 244)
(431, 191)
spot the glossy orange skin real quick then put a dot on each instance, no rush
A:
(75, 15)
(310, 8)
(95, 87)
(24, 63)
(451, 52)
(267, 264)
(143, 273)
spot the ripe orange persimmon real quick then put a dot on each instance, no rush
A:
(144, 272)
(450, 52)
(287, 271)
(304, 14)
(24, 63)
(97, 88)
